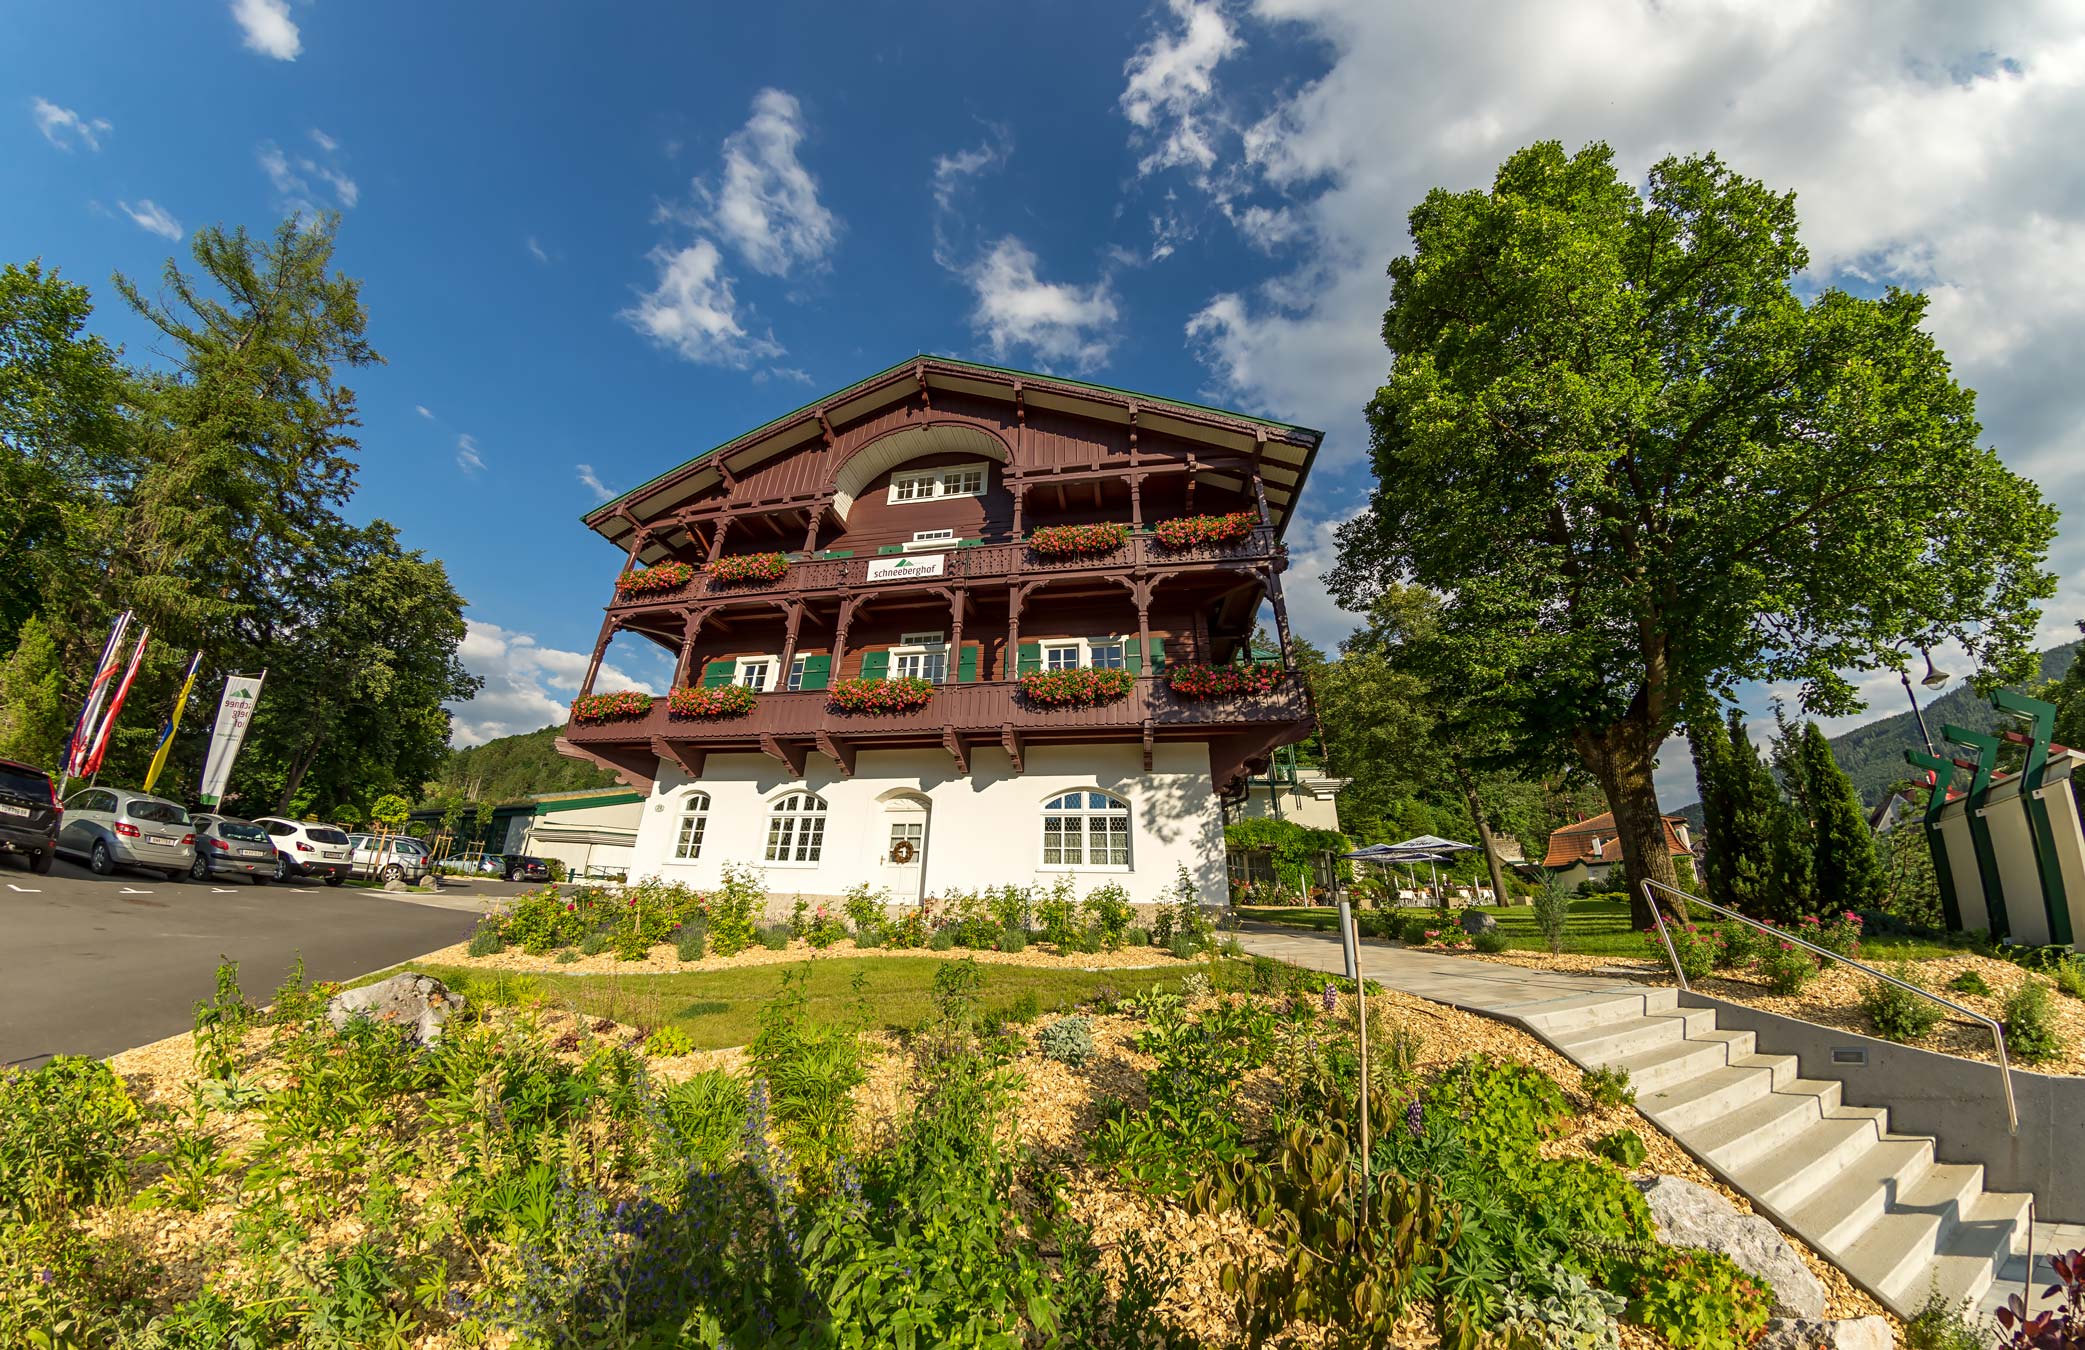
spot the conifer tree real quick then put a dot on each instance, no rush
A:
(1711, 749)
(34, 721)
(1762, 832)
(1849, 875)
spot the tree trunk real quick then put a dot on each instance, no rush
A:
(1484, 836)
(1623, 757)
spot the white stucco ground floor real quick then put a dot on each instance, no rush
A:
(911, 821)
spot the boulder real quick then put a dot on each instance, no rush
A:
(1847, 1333)
(1689, 1215)
(394, 884)
(417, 1004)
(1474, 923)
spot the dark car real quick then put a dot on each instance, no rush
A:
(29, 813)
(230, 847)
(520, 867)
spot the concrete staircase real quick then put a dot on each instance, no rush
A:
(1874, 1202)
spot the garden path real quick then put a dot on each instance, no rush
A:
(1478, 986)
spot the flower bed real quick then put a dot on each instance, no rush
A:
(901, 694)
(1222, 681)
(1077, 541)
(1077, 688)
(766, 568)
(655, 580)
(1188, 531)
(728, 700)
(617, 707)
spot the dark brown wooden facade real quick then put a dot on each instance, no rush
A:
(825, 486)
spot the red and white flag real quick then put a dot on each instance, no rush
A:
(76, 749)
(108, 723)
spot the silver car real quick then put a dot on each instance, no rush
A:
(231, 847)
(396, 858)
(116, 827)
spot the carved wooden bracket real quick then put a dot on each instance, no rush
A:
(1011, 741)
(952, 741)
(838, 751)
(791, 755)
(1150, 740)
(691, 758)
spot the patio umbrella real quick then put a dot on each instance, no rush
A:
(1389, 854)
(1436, 844)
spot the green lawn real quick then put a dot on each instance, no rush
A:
(1595, 928)
(717, 1008)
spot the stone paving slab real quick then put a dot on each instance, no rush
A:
(1475, 986)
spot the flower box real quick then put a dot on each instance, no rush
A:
(1077, 541)
(729, 700)
(1222, 681)
(762, 567)
(618, 707)
(1076, 688)
(657, 580)
(901, 694)
(1189, 531)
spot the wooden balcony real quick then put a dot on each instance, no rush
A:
(960, 717)
(979, 564)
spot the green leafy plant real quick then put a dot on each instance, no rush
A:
(221, 1024)
(1491, 942)
(734, 910)
(868, 912)
(706, 1117)
(1573, 1314)
(1970, 982)
(1013, 939)
(1607, 1089)
(1068, 1040)
(1624, 1148)
(1786, 968)
(594, 943)
(1899, 1014)
(807, 1071)
(1552, 910)
(1699, 1300)
(2031, 1031)
(63, 1131)
(669, 1042)
(1108, 913)
(774, 936)
(691, 941)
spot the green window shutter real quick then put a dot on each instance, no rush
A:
(1031, 658)
(966, 664)
(818, 671)
(875, 665)
(719, 673)
(1158, 654)
(1134, 648)
(968, 543)
(890, 548)
(837, 553)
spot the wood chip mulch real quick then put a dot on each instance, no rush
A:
(664, 961)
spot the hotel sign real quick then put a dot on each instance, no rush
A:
(907, 566)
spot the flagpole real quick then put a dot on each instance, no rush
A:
(108, 722)
(173, 722)
(75, 756)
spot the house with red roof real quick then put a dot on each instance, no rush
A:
(1591, 850)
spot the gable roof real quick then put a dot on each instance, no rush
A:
(1178, 417)
(1595, 841)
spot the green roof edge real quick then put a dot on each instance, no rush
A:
(816, 403)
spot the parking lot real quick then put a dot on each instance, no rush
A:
(92, 965)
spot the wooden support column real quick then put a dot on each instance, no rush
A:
(796, 619)
(716, 538)
(811, 527)
(1281, 615)
(959, 600)
(1136, 500)
(691, 628)
(1141, 593)
(1020, 491)
(638, 539)
(1192, 466)
(1259, 496)
(840, 636)
(593, 667)
(1010, 663)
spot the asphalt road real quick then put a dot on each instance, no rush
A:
(92, 965)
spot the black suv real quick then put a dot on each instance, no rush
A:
(521, 867)
(29, 814)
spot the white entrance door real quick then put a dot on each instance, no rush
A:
(905, 849)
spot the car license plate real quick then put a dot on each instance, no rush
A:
(164, 839)
(9, 810)
(332, 855)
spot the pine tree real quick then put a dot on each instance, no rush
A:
(1849, 875)
(1791, 885)
(33, 717)
(1767, 878)
(1711, 749)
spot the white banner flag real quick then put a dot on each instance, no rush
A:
(234, 712)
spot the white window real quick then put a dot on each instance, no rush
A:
(922, 656)
(1062, 655)
(796, 672)
(796, 829)
(912, 832)
(755, 673)
(694, 819)
(924, 485)
(1085, 829)
(923, 540)
(1109, 654)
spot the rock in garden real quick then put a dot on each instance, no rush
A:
(1848, 1333)
(416, 1004)
(1474, 923)
(1689, 1215)
(396, 885)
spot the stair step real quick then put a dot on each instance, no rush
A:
(1686, 1105)
(1662, 1066)
(1610, 1041)
(1972, 1255)
(1899, 1246)
(1787, 1177)
(1590, 1010)
(1758, 1128)
(1837, 1213)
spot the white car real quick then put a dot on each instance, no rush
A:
(308, 848)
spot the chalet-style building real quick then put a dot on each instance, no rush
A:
(1591, 850)
(954, 626)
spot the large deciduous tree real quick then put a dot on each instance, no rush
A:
(1639, 466)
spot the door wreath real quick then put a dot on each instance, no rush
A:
(902, 852)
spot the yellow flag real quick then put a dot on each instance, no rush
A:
(173, 724)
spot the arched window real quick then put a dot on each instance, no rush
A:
(796, 829)
(1085, 829)
(694, 819)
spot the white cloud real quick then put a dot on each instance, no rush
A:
(268, 28)
(293, 178)
(784, 374)
(693, 312)
(953, 173)
(1171, 83)
(766, 206)
(535, 250)
(421, 408)
(65, 128)
(1059, 323)
(592, 482)
(151, 216)
(528, 686)
(468, 457)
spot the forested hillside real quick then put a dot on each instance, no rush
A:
(513, 767)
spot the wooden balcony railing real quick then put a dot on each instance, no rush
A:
(970, 709)
(977, 563)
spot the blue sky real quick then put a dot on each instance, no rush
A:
(595, 240)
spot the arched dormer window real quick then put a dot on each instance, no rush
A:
(1085, 829)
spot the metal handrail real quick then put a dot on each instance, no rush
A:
(2005, 1070)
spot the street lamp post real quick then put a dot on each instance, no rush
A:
(1933, 679)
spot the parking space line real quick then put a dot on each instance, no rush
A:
(129, 891)
(222, 890)
(25, 890)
